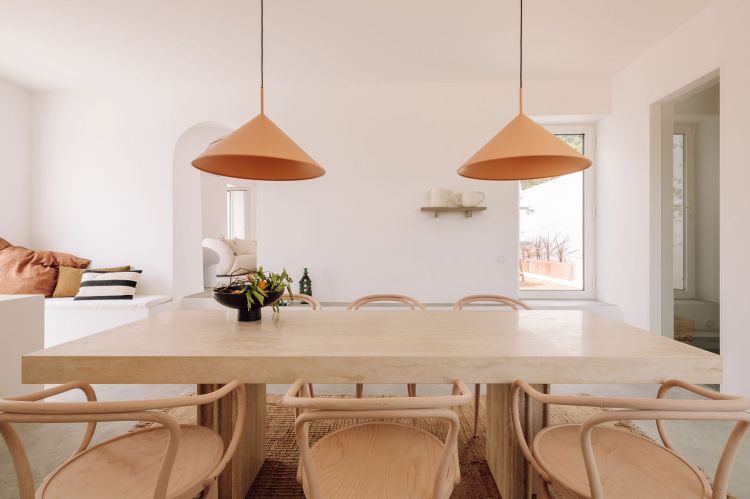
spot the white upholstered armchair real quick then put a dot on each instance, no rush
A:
(223, 256)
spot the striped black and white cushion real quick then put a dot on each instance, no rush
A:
(98, 285)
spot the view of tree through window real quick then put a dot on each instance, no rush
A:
(551, 229)
(678, 209)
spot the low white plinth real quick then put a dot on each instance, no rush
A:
(67, 320)
(21, 332)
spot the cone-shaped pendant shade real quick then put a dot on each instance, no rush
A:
(523, 150)
(258, 150)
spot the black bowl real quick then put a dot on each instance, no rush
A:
(239, 301)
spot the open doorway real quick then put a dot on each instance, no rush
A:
(228, 228)
(689, 145)
(695, 218)
(207, 207)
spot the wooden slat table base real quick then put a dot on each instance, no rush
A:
(504, 457)
(237, 478)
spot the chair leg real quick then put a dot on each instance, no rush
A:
(212, 492)
(543, 490)
(411, 389)
(477, 394)
(310, 387)
(360, 389)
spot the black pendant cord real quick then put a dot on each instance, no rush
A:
(520, 64)
(520, 44)
(261, 43)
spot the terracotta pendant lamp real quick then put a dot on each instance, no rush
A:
(258, 150)
(523, 149)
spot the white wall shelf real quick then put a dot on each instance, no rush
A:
(467, 210)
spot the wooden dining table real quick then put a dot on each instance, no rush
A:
(490, 346)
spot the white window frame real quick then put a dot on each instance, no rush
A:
(231, 211)
(689, 270)
(589, 222)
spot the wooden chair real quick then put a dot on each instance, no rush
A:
(168, 460)
(382, 459)
(314, 305)
(590, 461)
(504, 300)
(303, 298)
(412, 303)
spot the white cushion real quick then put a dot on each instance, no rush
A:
(230, 242)
(101, 285)
(248, 262)
(245, 247)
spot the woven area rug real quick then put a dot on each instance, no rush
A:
(276, 478)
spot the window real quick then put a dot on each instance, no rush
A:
(556, 227)
(236, 214)
(683, 233)
(678, 209)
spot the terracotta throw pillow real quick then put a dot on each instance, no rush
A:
(69, 279)
(25, 271)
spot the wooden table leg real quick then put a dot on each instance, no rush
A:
(536, 420)
(504, 457)
(236, 479)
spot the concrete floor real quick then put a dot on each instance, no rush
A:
(48, 445)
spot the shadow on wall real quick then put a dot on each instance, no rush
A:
(187, 230)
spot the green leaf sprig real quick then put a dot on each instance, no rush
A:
(257, 285)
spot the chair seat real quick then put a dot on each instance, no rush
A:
(629, 465)
(377, 460)
(127, 466)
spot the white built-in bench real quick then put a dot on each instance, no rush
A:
(66, 319)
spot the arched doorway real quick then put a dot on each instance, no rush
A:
(187, 214)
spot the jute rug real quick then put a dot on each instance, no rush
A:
(276, 478)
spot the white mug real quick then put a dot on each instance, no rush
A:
(440, 197)
(468, 198)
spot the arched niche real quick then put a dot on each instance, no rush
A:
(187, 207)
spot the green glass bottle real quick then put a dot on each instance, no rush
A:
(305, 284)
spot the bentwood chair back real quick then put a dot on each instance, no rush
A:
(593, 461)
(167, 460)
(410, 302)
(380, 459)
(503, 300)
(314, 305)
(303, 298)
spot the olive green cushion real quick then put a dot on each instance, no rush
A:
(69, 280)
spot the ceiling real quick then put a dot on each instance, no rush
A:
(50, 44)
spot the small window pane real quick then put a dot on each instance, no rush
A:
(551, 229)
(236, 214)
(678, 210)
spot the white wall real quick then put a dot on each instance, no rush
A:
(103, 168)
(716, 38)
(102, 176)
(707, 236)
(15, 168)
(359, 228)
(187, 209)
(213, 205)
